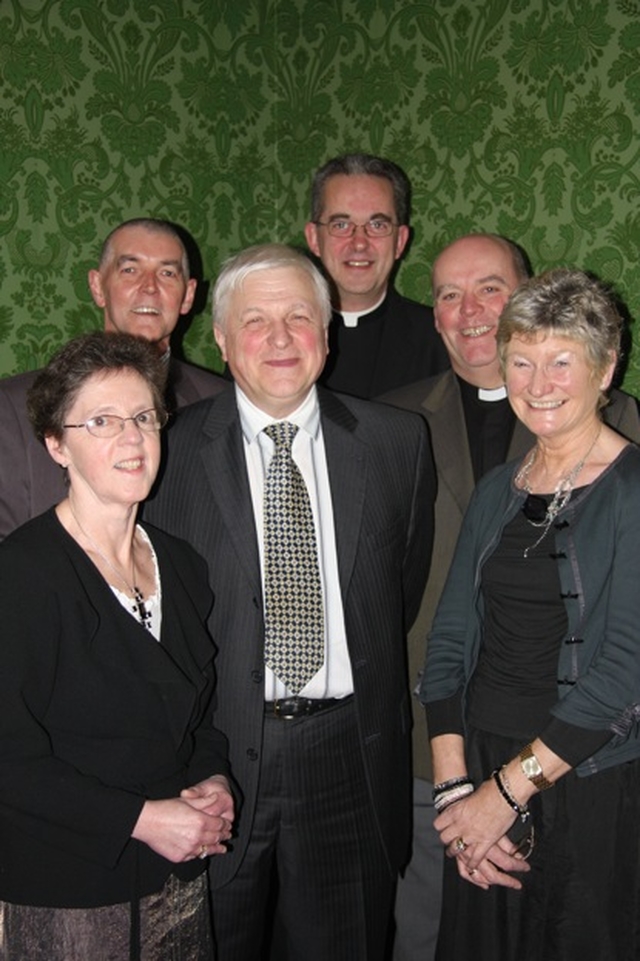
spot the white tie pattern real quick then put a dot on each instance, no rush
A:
(294, 615)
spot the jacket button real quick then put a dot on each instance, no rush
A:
(257, 677)
(252, 754)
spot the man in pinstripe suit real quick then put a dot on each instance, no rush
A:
(324, 772)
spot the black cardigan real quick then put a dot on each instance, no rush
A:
(95, 717)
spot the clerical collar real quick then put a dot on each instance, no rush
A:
(350, 318)
(496, 393)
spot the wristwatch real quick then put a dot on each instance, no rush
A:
(532, 769)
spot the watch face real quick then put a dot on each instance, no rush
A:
(531, 767)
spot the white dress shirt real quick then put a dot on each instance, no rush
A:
(334, 679)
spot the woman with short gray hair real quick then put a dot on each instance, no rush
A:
(532, 677)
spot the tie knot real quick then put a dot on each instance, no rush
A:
(282, 434)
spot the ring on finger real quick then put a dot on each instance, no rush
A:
(460, 845)
(203, 852)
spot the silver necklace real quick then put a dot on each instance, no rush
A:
(561, 496)
(139, 607)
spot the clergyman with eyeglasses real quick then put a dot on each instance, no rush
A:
(359, 229)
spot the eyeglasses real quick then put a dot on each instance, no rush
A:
(377, 227)
(110, 425)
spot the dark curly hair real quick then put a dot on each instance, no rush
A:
(56, 387)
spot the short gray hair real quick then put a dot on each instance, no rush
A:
(266, 257)
(153, 226)
(564, 302)
(56, 387)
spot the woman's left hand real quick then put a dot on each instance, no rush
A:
(181, 829)
(473, 830)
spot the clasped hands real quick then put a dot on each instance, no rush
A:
(196, 824)
(474, 831)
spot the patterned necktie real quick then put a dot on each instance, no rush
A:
(294, 615)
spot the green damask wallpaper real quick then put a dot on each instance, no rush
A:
(519, 116)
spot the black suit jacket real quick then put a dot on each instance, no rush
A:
(30, 480)
(395, 344)
(96, 716)
(382, 487)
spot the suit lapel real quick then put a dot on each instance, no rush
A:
(347, 463)
(225, 467)
(445, 416)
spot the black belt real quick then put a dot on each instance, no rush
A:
(288, 708)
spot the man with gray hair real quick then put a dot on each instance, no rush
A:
(313, 512)
(359, 229)
(142, 285)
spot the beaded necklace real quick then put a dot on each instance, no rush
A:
(534, 504)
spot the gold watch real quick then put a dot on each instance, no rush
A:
(532, 769)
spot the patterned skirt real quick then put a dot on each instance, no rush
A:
(175, 925)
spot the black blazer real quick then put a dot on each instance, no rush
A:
(382, 487)
(95, 717)
(30, 480)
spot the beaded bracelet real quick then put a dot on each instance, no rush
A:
(452, 782)
(447, 792)
(445, 798)
(521, 810)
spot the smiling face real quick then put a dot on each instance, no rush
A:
(552, 387)
(273, 338)
(113, 470)
(359, 266)
(142, 287)
(472, 281)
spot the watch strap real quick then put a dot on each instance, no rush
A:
(532, 769)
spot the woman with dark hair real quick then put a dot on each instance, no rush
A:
(532, 677)
(113, 780)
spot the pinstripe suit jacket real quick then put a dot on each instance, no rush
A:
(438, 400)
(382, 483)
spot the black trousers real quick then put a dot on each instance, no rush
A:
(315, 837)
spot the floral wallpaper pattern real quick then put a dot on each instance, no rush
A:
(517, 116)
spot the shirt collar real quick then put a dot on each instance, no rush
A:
(253, 420)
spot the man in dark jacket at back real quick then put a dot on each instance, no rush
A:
(142, 285)
(359, 228)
